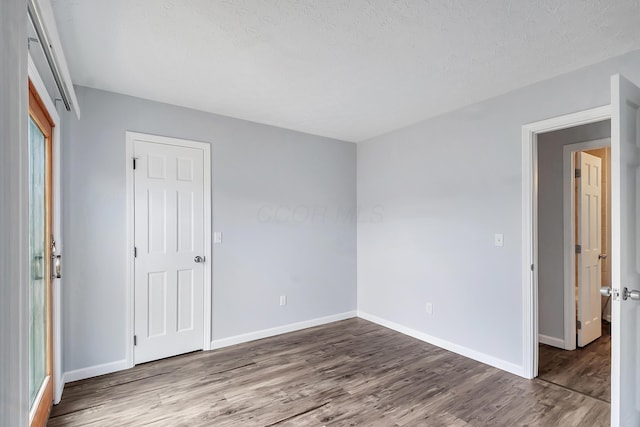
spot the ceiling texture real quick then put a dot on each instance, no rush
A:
(346, 69)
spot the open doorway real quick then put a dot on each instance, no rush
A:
(574, 237)
(624, 112)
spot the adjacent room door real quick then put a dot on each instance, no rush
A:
(40, 133)
(589, 237)
(625, 238)
(169, 245)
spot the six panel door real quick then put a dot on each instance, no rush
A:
(169, 235)
(590, 240)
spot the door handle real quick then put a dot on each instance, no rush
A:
(602, 256)
(605, 291)
(55, 261)
(627, 294)
(199, 259)
(56, 272)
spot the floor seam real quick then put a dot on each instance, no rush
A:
(573, 390)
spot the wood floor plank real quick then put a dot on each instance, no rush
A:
(586, 369)
(346, 373)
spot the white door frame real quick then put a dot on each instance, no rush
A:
(56, 297)
(530, 224)
(569, 221)
(131, 137)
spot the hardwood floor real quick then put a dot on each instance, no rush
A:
(342, 374)
(586, 370)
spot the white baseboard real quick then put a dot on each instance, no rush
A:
(94, 371)
(292, 327)
(57, 393)
(120, 365)
(552, 341)
(107, 368)
(461, 350)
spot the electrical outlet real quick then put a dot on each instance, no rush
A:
(429, 308)
(283, 300)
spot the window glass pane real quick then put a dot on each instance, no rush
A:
(37, 241)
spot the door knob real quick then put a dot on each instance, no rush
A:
(605, 291)
(602, 256)
(199, 259)
(627, 294)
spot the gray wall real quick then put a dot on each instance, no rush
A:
(550, 221)
(284, 201)
(444, 187)
(14, 326)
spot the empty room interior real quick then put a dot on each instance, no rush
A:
(319, 213)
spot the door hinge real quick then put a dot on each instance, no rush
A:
(135, 340)
(135, 252)
(531, 267)
(579, 324)
(135, 163)
(578, 249)
(578, 173)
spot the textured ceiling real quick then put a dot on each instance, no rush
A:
(348, 69)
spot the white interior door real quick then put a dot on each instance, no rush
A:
(589, 238)
(169, 235)
(625, 162)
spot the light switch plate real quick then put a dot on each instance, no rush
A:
(498, 239)
(217, 237)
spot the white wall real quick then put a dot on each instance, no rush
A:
(445, 186)
(14, 237)
(550, 221)
(284, 201)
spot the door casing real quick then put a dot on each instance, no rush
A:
(530, 224)
(130, 138)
